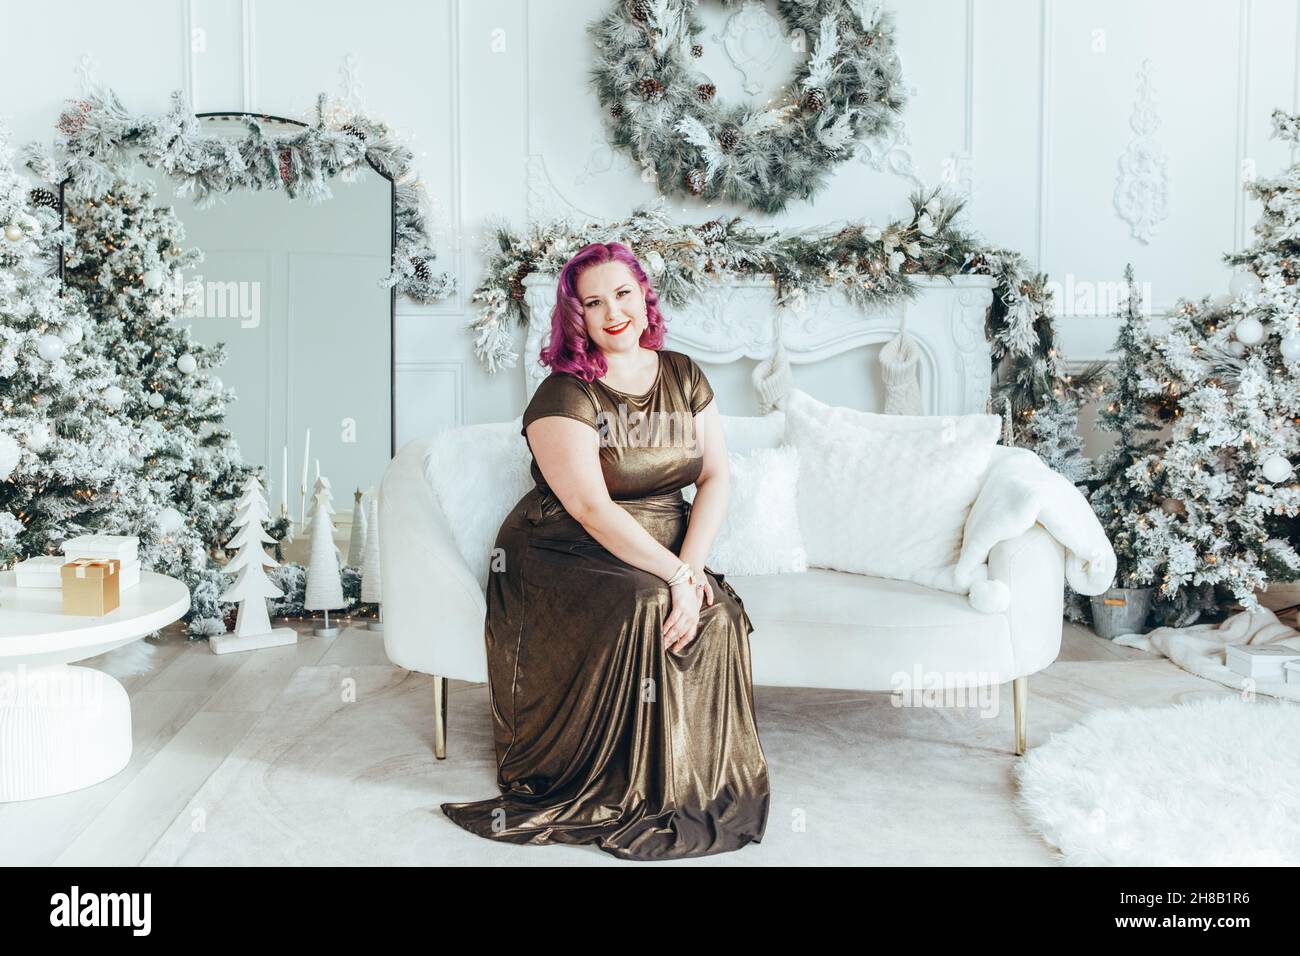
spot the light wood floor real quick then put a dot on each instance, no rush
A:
(190, 710)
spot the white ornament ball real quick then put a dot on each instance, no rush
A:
(186, 364)
(1236, 348)
(214, 383)
(152, 278)
(1277, 469)
(50, 347)
(10, 454)
(38, 436)
(1291, 348)
(1244, 283)
(1249, 331)
(656, 263)
(1158, 327)
(13, 232)
(113, 396)
(155, 400)
(169, 520)
(72, 334)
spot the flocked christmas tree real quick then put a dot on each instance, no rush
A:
(72, 465)
(1122, 495)
(1230, 520)
(128, 261)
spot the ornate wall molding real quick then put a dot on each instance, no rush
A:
(1142, 186)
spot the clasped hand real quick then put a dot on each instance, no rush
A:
(684, 620)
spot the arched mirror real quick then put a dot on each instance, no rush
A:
(296, 292)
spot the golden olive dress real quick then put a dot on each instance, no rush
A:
(602, 734)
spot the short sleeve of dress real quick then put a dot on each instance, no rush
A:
(562, 395)
(701, 391)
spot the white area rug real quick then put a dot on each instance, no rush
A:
(1212, 783)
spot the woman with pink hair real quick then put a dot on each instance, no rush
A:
(619, 668)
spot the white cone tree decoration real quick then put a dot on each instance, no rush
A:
(357, 543)
(370, 580)
(251, 586)
(324, 587)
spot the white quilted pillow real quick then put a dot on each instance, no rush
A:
(478, 473)
(760, 534)
(886, 495)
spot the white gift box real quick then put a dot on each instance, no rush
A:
(40, 572)
(1260, 661)
(123, 547)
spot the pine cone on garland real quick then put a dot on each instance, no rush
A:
(421, 267)
(706, 92)
(640, 10)
(517, 290)
(73, 119)
(616, 111)
(355, 131)
(728, 138)
(713, 231)
(286, 166)
(697, 50)
(650, 88)
(814, 100)
(43, 198)
(696, 182)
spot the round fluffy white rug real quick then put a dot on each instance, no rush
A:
(1212, 783)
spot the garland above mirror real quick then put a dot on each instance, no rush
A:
(99, 136)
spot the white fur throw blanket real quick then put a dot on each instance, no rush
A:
(1203, 649)
(1019, 491)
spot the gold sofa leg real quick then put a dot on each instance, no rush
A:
(440, 717)
(1020, 695)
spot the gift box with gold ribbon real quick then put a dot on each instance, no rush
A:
(91, 586)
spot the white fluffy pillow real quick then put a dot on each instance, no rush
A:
(760, 534)
(886, 495)
(478, 473)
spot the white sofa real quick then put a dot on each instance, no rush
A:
(818, 628)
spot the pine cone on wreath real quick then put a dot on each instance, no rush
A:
(728, 138)
(706, 92)
(697, 50)
(43, 198)
(640, 10)
(696, 182)
(650, 88)
(616, 111)
(814, 100)
(286, 166)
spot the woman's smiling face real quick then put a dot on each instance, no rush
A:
(613, 306)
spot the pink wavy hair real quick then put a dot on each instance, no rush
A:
(571, 349)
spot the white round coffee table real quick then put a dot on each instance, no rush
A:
(61, 727)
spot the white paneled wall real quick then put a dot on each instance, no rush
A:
(1026, 103)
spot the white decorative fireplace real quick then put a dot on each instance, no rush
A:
(738, 319)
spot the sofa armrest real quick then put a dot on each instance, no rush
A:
(1032, 565)
(433, 606)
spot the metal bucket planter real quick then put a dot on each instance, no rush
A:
(1121, 611)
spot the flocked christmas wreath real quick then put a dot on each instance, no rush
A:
(668, 114)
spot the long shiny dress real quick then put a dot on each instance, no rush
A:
(602, 734)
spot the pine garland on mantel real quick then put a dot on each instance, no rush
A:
(99, 138)
(872, 265)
